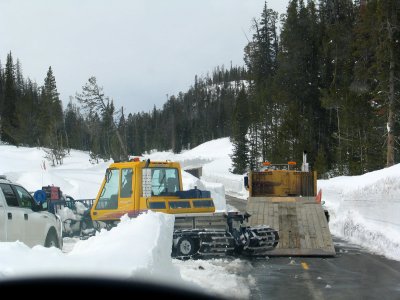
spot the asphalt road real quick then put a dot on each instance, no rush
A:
(352, 274)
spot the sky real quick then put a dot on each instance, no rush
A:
(140, 51)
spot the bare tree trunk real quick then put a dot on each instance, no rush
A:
(121, 142)
(391, 114)
(94, 100)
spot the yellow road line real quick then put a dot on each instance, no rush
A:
(305, 266)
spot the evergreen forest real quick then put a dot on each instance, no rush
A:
(324, 78)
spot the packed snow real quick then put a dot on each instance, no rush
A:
(364, 210)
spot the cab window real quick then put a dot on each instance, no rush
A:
(9, 194)
(109, 194)
(24, 197)
(164, 181)
(126, 183)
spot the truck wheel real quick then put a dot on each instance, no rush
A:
(185, 246)
(51, 240)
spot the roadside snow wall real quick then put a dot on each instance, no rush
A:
(366, 209)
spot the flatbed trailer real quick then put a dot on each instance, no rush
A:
(285, 199)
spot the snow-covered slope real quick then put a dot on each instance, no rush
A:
(76, 177)
(214, 158)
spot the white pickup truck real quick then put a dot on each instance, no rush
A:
(22, 219)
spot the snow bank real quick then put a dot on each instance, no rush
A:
(217, 190)
(214, 158)
(365, 209)
(136, 248)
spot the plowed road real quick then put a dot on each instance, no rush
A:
(352, 274)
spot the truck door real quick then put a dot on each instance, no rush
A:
(34, 222)
(125, 200)
(15, 229)
(3, 218)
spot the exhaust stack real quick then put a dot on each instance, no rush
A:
(304, 166)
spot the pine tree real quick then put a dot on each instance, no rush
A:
(54, 131)
(239, 140)
(388, 59)
(51, 114)
(261, 60)
(8, 117)
(376, 67)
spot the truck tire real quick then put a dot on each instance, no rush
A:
(185, 246)
(51, 240)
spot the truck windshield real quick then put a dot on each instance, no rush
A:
(109, 194)
(164, 181)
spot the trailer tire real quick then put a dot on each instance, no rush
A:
(51, 239)
(185, 246)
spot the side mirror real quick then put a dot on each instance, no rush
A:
(322, 202)
(43, 205)
(108, 175)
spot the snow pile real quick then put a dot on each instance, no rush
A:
(365, 209)
(136, 248)
(140, 246)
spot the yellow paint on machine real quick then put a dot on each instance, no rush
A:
(135, 201)
(305, 266)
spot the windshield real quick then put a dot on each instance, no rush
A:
(109, 194)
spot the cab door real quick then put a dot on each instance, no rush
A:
(126, 201)
(35, 223)
(15, 229)
(3, 218)
(116, 197)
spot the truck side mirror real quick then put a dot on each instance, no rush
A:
(108, 175)
(43, 205)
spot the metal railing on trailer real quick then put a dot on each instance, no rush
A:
(55, 206)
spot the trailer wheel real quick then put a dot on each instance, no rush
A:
(185, 246)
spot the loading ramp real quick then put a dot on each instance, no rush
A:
(300, 221)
